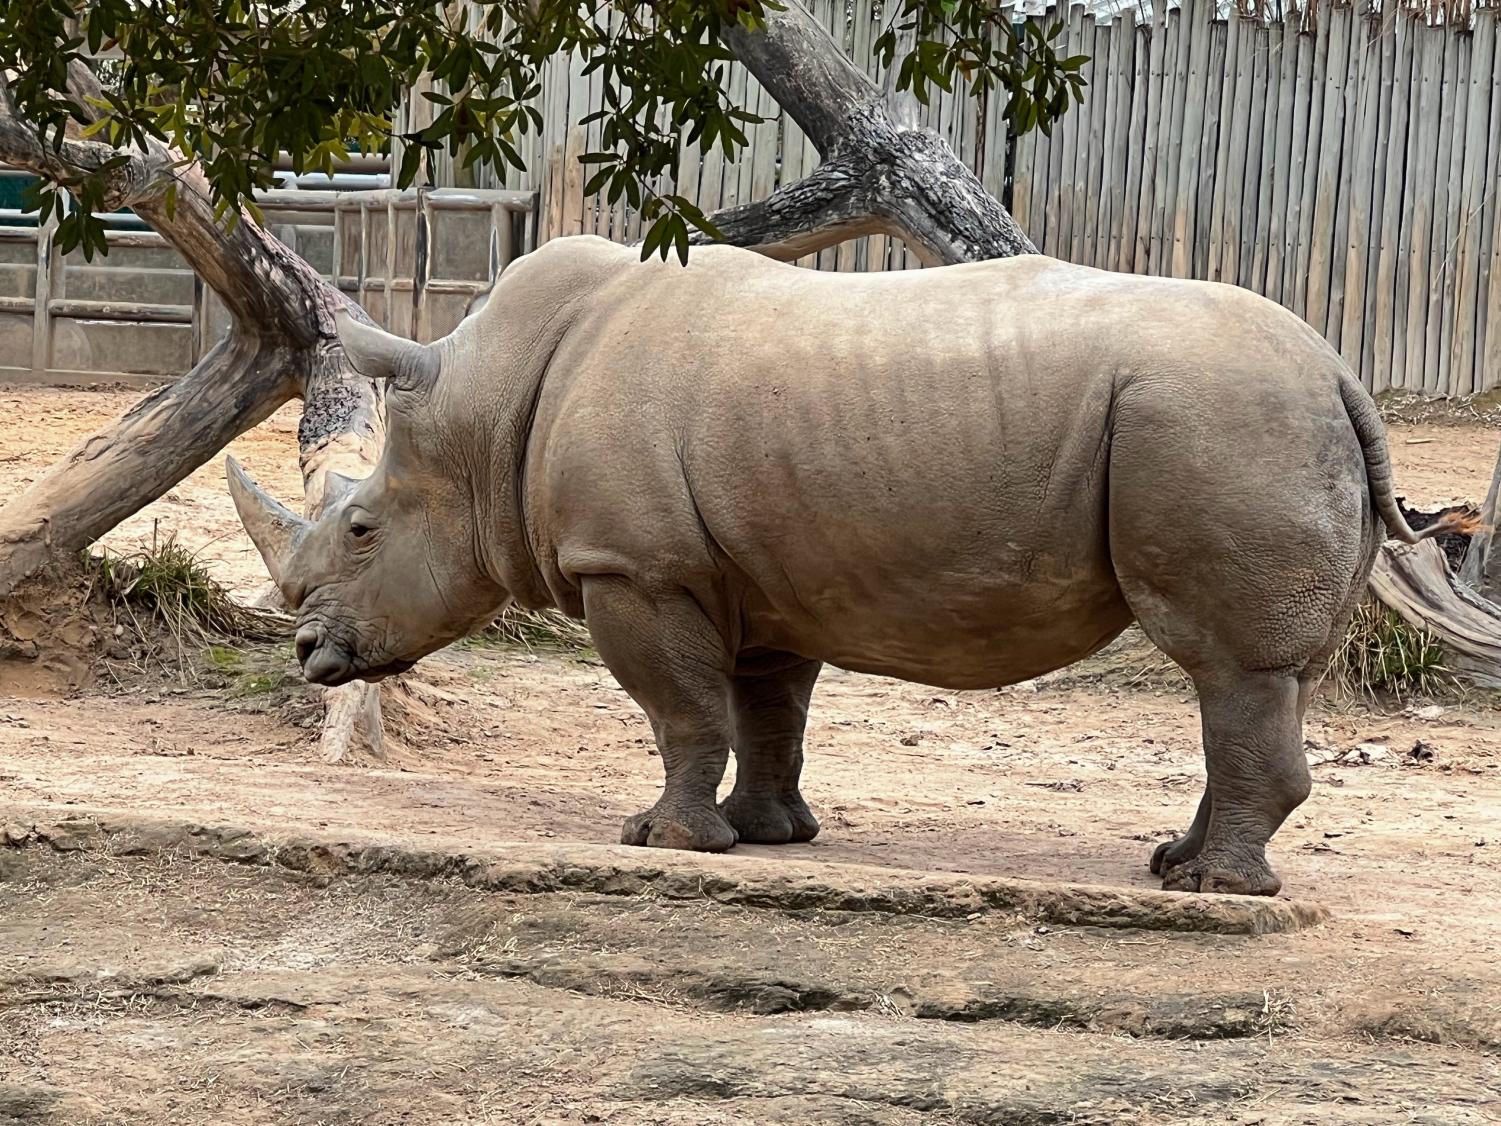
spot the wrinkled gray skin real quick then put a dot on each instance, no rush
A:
(964, 476)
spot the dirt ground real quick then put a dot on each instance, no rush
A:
(151, 986)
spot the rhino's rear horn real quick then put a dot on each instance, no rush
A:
(273, 527)
(337, 488)
(376, 354)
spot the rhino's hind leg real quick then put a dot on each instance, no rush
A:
(1258, 774)
(770, 711)
(672, 661)
(1245, 587)
(1170, 854)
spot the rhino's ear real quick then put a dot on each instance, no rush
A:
(377, 354)
(274, 528)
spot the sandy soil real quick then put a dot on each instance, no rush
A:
(333, 1002)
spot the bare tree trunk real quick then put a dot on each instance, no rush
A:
(1482, 565)
(342, 431)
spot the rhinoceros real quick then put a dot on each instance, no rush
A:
(736, 471)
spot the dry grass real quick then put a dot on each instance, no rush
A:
(1382, 654)
(538, 629)
(175, 607)
(1278, 1014)
(1412, 408)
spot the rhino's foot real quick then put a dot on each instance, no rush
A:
(1170, 854)
(1223, 875)
(769, 819)
(697, 827)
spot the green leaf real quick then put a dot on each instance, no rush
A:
(599, 180)
(655, 238)
(411, 161)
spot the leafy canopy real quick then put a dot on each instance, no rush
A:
(233, 82)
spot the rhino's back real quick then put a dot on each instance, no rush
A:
(898, 473)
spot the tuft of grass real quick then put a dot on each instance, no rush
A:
(261, 684)
(164, 588)
(1381, 653)
(536, 629)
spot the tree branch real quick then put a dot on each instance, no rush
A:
(231, 259)
(136, 179)
(83, 87)
(823, 209)
(940, 207)
(890, 175)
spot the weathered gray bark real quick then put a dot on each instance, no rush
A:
(825, 208)
(882, 172)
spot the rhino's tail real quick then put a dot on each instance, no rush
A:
(1378, 468)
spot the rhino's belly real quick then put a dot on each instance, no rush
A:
(951, 635)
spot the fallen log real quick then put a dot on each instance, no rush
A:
(1415, 581)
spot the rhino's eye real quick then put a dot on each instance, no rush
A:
(359, 531)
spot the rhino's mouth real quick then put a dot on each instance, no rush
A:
(324, 661)
(331, 677)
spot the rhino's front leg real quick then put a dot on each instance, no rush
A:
(673, 662)
(770, 706)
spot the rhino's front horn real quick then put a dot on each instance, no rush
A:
(273, 526)
(376, 354)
